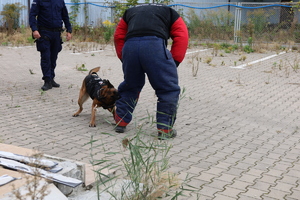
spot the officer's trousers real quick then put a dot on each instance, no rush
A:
(49, 45)
(148, 55)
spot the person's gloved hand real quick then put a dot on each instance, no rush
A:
(177, 63)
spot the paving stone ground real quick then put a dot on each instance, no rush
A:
(238, 125)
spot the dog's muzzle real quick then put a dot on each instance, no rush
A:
(116, 96)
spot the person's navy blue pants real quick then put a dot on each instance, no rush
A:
(49, 45)
(148, 55)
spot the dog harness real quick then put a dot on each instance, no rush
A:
(94, 86)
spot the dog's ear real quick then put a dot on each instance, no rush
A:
(101, 93)
(109, 85)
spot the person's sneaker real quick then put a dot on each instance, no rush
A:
(164, 136)
(54, 84)
(120, 129)
(47, 86)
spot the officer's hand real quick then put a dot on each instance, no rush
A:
(36, 34)
(69, 36)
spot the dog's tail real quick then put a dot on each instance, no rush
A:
(95, 70)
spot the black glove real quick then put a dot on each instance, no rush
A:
(177, 63)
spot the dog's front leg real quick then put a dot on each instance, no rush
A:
(83, 96)
(93, 115)
(112, 110)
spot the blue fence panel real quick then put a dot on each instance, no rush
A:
(97, 11)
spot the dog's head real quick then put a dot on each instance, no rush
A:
(108, 93)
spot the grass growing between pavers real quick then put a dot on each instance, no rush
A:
(144, 163)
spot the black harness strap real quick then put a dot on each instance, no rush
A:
(94, 86)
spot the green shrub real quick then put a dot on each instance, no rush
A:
(11, 15)
(248, 49)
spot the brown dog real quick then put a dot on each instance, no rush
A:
(101, 91)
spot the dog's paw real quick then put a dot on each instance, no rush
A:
(92, 125)
(75, 115)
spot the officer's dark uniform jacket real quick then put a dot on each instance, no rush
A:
(50, 15)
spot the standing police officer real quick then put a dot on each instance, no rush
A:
(46, 20)
(141, 39)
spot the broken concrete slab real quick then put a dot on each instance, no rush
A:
(73, 169)
(115, 189)
(37, 171)
(51, 192)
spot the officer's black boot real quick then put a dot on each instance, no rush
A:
(54, 84)
(47, 85)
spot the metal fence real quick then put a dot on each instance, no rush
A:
(238, 21)
(92, 11)
(243, 21)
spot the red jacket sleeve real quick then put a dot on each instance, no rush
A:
(119, 37)
(180, 37)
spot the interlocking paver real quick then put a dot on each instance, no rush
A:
(222, 197)
(231, 192)
(196, 170)
(213, 159)
(295, 195)
(209, 191)
(248, 178)
(238, 129)
(259, 185)
(255, 172)
(202, 165)
(252, 192)
(285, 187)
(274, 172)
(276, 194)
(249, 198)
(214, 170)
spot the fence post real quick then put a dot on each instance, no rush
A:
(28, 12)
(237, 23)
(112, 15)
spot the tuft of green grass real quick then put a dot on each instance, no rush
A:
(42, 92)
(145, 164)
(248, 49)
(81, 68)
(208, 60)
(243, 58)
